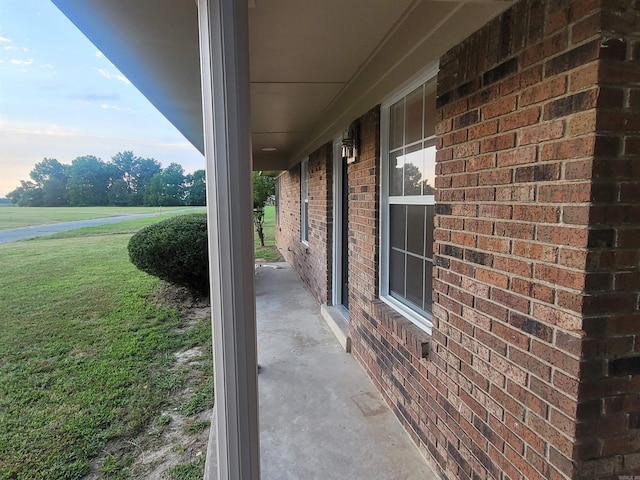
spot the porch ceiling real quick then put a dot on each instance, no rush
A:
(314, 65)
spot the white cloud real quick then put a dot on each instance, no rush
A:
(25, 49)
(115, 107)
(22, 62)
(10, 47)
(46, 65)
(99, 54)
(5, 39)
(95, 97)
(109, 75)
(51, 129)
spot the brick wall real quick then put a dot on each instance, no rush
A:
(313, 261)
(534, 361)
(609, 402)
(364, 200)
(389, 347)
(537, 239)
(288, 230)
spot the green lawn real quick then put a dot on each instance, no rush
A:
(123, 227)
(269, 252)
(16, 217)
(85, 353)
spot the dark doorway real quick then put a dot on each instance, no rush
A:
(344, 293)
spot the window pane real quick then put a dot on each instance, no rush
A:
(428, 294)
(396, 162)
(415, 280)
(304, 196)
(429, 242)
(415, 229)
(396, 272)
(278, 204)
(411, 171)
(429, 170)
(413, 126)
(396, 125)
(397, 223)
(413, 166)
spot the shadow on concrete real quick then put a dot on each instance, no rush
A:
(320, 416)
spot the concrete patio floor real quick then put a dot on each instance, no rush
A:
(320, 416)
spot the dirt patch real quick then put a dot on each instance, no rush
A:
(174, 444)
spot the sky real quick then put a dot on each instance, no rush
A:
(61, 98)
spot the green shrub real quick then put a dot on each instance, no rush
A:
(175, 250)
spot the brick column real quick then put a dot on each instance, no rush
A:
(537, 236)
(609, 393)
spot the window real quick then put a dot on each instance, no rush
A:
(304, 200)
(408, 136)
(278, 200)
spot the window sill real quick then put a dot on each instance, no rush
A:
(417, 341)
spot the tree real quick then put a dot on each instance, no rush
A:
(28, 194)
(196, 189)
(414, 184)
(263, 188)
(129, 177)
(89, 180)
(51, 177)
(143, 170)
(126, 180)
(166, 188)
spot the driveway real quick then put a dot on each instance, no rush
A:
(41, 230)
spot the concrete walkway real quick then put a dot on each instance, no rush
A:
(320, 416)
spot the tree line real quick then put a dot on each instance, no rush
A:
(126, 180)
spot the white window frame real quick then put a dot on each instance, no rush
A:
(304, 201)
(422, 320)
(278, 200)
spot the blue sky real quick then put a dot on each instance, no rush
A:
(61, 98)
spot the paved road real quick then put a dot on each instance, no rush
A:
(40, 230)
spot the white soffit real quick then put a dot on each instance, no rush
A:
(427, 30)
(154, 43)
(316, 65)
(316, 41)
(289, 107)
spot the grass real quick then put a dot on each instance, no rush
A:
(16, 217)
(124, 227)
(198, 402)
(86, 355)
(198, 426)
(269, 252)
(83, 353)
(190, 471)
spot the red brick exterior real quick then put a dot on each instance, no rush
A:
(537, 241)
(313, 261)
(534, 363)
(609, 393)
(364, 201)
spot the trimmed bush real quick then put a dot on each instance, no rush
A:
(175, 250)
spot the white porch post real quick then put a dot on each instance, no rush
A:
(225, 89)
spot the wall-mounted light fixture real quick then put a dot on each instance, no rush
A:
(351, 143)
